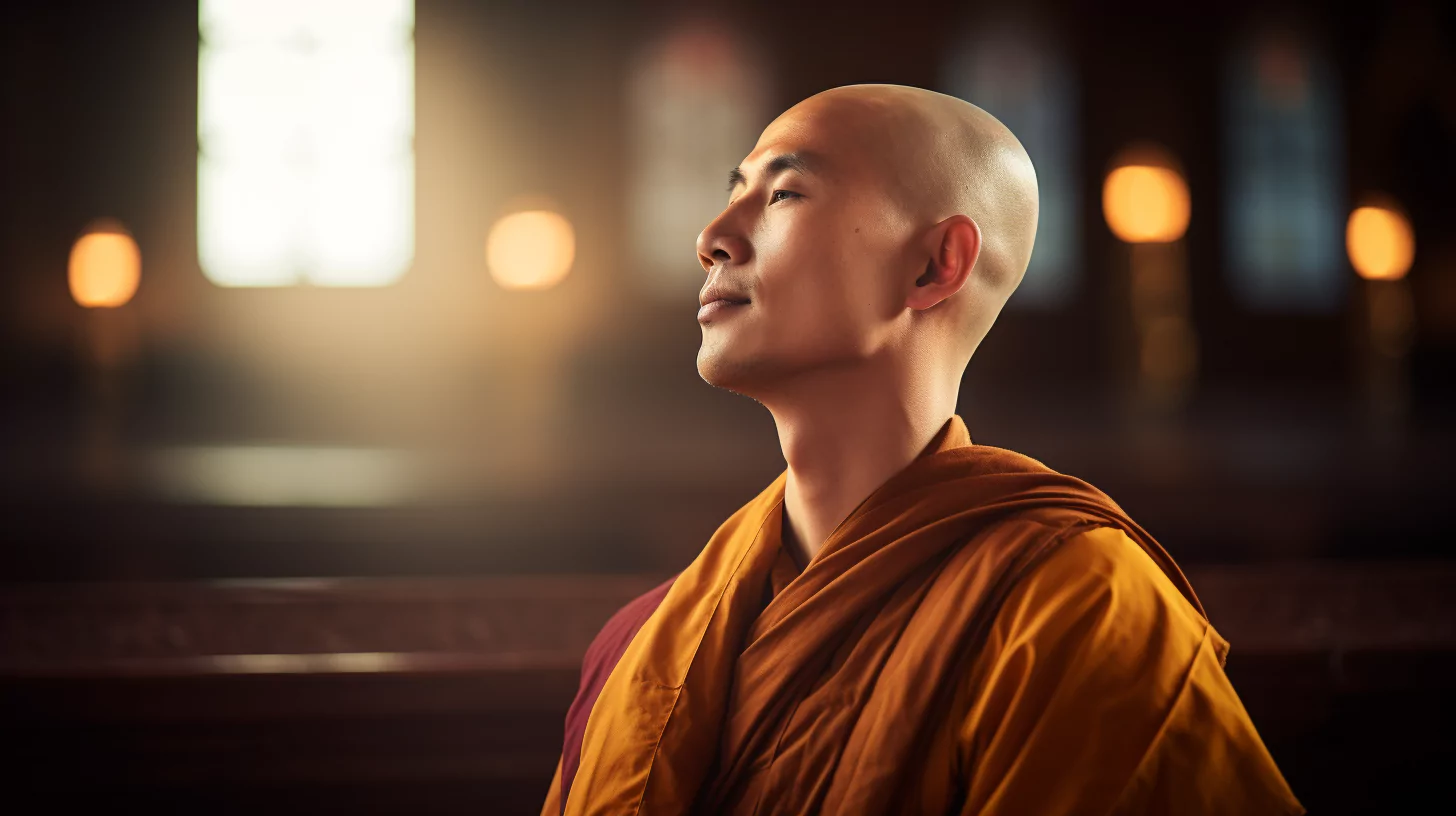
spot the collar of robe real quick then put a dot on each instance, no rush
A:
(654, 734)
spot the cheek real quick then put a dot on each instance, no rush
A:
(865, 260)
(879, 265)
(800, 264)
(820, 286)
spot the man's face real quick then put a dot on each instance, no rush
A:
(811, 240)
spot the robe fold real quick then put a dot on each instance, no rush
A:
(981, 635)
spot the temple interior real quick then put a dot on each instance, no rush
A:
(348, 363)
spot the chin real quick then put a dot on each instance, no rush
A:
(752, 376)
(722, 370)
(712, 368)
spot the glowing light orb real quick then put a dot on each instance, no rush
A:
(105, 267)
(1380, 242)
(1146, 204)
(530, 250)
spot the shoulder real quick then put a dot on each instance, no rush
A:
(596, 666)
(1102, 687)
(1101, 573)
(1098, 610)
(616, 634)
(1092, 640)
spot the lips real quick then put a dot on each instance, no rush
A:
(717, 291)
(718, 308)
(718, 299)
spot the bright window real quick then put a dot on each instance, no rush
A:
(1284, 202)
(305, 141)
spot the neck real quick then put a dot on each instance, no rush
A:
(844, 439)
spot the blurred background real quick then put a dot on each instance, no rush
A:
(348, 362)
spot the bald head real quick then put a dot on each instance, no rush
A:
(939, 156)
(869, 223)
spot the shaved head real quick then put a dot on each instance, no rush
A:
(939, 156)
(870, 222)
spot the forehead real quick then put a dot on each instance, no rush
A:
(841, 139)
(796, 131)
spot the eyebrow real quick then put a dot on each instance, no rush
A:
(784, 161)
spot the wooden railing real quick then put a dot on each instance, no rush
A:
(446, 696)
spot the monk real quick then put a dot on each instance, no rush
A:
(903, 622)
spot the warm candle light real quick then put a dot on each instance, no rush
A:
(1146, 204)
(1380, 242)
(530, 250)
(105, 267)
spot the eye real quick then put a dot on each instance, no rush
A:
(780, 195)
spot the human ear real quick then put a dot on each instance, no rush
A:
(953, 246)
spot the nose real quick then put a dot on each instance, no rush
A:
(721, 242)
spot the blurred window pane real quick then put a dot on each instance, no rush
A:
(305, 141)
(1283, 143)
(696, 102)
(1022, 78)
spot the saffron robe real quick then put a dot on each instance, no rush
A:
(981, 635)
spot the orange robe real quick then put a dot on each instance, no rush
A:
(980, 636)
